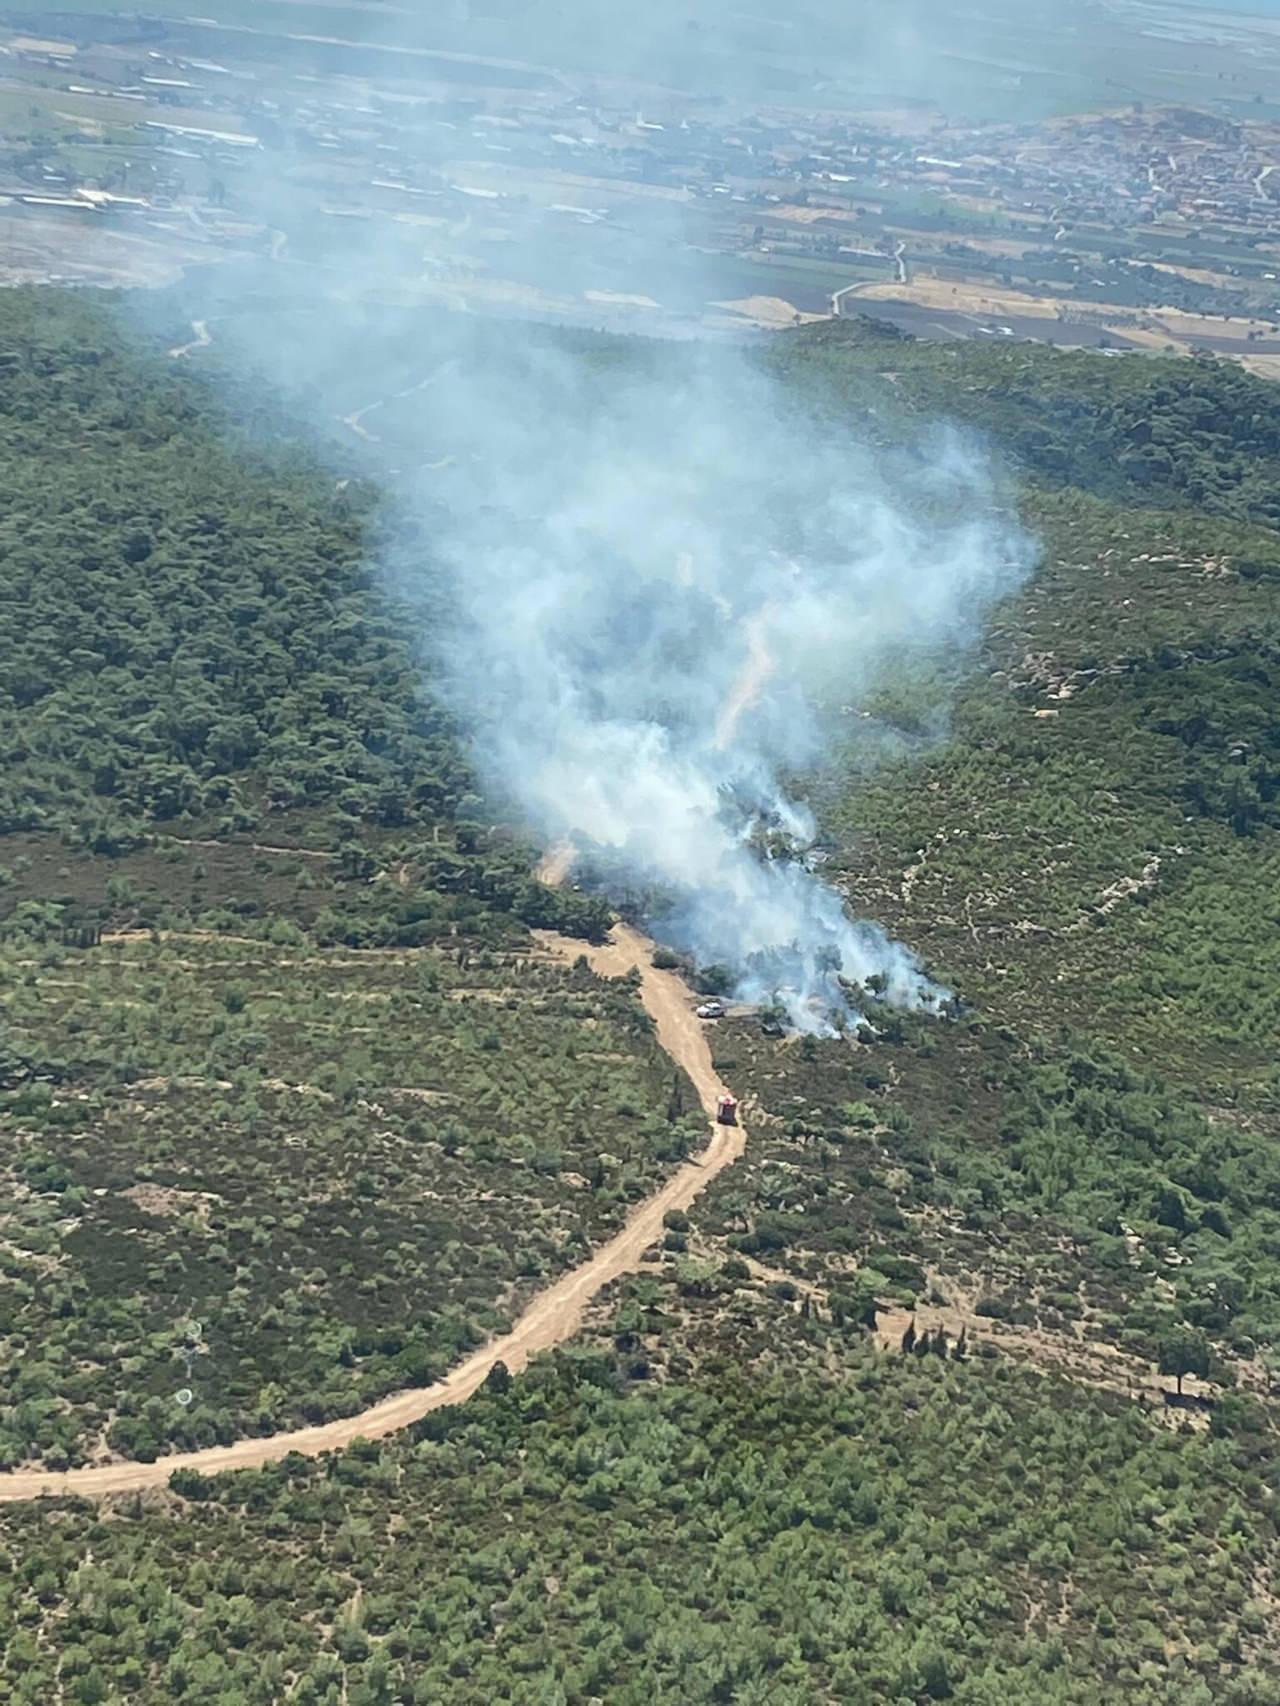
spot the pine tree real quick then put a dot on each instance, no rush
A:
(1184, 1351)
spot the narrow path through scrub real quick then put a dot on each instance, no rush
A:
(553, 1316)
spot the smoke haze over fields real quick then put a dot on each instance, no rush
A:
(666, 580)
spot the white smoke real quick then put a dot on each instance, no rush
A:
(663, 586)
(661, 572)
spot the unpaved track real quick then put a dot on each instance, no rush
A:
(355, 420)
(554, 1314)
(203, 338)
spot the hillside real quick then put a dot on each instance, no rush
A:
(294, 1109)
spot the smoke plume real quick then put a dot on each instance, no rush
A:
(664, 576)
(666, 589)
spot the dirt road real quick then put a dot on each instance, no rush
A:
(202, 339)
(355, 420)
(551, 1318)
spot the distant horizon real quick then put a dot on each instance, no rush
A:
(1240, 8)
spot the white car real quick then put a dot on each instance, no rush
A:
(711, 1010)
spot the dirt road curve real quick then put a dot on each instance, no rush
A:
(201, 340)
(552, 1317)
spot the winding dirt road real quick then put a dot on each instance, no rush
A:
(355, 420)
(203, 338)
(553, 1316)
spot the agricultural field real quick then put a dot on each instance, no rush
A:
(995, 62)
(1104, 178)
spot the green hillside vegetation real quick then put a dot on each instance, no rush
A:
(735, 1525)
(1101, 819)
(1089, 856)
(158, 598)
(1063, 1192)
(347, 1170)
(190, 639)
(1199, 433)
(225, 782)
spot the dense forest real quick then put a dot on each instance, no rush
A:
(1201, 434)
(190, 639)
(958, 1386)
